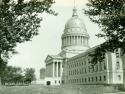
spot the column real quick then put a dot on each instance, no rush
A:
(53, 69)
(60, 68)
(81, 40)
(57, 69)
(74, 40)
(77, 40)
(70, 40)
(64, 41)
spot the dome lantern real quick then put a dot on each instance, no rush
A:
(74, 12)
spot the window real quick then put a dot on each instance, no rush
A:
(75, 71)
(77, 81)
(85, 70)
(69, 72)
(96, 67)
(89, 68)
(104, 66)
(82, 80)
(77, 64)
(104, 78)
(119, 77)
(96, 79)
(92, 79)
(62, 82)
(82, 71)
(85, 80)
(55, 81)
(92, 68)
(82, 63)
(89, 79)
(85, 63)
(117, 54)
(117, 65)
(100, 78)
(100, 66)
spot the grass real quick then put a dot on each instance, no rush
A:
(40, 89)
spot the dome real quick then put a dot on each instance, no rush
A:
(75, 38)
(75, 23)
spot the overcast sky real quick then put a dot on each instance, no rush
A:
(32, 54)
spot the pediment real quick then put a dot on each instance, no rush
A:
(48, 58)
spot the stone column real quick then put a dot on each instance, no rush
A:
(57, 69)
(53, 69)
(64, 41)
(60, 68)
(67, 40)
(82, 40)
(70, 40)
(77, 41)
(74, 40)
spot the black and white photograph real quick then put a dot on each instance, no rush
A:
(62, 46)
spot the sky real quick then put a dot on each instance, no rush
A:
(33, 53)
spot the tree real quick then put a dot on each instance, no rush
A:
(29, 75)
(19, 22)
(110, 16)
(12, 74)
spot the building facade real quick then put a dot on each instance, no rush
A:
(42, 73)
(72, 65)
(81, 71)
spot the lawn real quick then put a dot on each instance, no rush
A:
(40, 89)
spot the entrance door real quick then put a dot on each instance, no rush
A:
(48, 83)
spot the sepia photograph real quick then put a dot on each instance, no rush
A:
(62, 47)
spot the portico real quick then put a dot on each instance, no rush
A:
(57, 69)
(54, 69)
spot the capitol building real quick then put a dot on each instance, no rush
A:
(72, 65)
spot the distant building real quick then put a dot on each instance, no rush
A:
(42, 73)
(71, 65)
